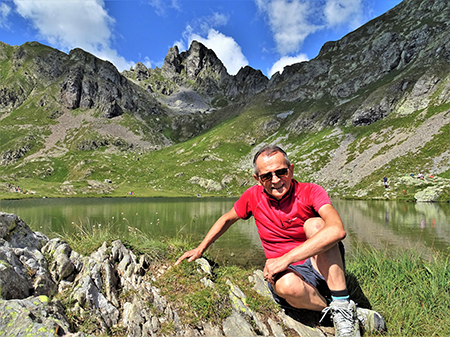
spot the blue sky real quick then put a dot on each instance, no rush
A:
(264, 34)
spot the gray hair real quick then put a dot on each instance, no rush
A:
(268, 151)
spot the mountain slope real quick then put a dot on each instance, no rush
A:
(374, 103)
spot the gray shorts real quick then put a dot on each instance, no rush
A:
(311, 276)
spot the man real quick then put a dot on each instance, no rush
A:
(301, 234)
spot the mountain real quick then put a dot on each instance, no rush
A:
(373, 104)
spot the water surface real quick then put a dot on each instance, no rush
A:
(382, 224)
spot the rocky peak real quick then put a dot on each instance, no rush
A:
(94, 83)
(247, 81)
(141, 71)
(92, 65)
(200, 59)
(172, 63)
(199, 72)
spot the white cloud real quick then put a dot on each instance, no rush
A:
(344, 12)
(4, 12)
(286, 61)
(290, 22)
(226, 49)
(203, 24)
(69, 24)
(147, 62)
(161, 6)
(215, 20)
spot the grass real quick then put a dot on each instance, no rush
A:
(412, 293)
(166, 172)
(89, 237)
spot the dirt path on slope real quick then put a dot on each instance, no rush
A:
(365, 164)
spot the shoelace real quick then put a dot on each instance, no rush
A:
(346, 314)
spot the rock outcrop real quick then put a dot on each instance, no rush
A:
(46, 288)
(399, 50)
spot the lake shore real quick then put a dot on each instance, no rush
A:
(404, 188)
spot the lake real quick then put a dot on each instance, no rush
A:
(383, 224)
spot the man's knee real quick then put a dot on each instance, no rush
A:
(312, 226)
(289, 285)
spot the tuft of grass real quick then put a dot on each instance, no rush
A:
(196, 302)
(87, 238)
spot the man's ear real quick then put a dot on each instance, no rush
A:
(257, 179)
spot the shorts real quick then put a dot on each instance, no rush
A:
(311, 276)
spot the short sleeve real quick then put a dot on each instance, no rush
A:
(319, 197)
(243, 206)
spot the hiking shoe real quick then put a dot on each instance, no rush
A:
(370, 320)
(344, 318)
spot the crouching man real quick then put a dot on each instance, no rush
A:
(301, 234)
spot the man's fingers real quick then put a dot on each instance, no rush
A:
(185, 255)
(191, 255)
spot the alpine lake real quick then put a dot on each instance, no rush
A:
(385, 225)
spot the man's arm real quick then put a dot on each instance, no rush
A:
(220, 227)
(326, 237)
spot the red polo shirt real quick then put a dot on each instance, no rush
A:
(280, 222)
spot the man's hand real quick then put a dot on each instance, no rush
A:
(219, 227)
(193, 254)
(273, 267)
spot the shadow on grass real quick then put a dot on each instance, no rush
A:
(356, 293)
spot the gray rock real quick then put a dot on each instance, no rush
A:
(204, 265)
(89, 295)
(18, 234)
(34, 316)
(260, 284)
(14, 281)
(430, 194)
(211, 331)
(277, 330)
(237, 326)
(301, 329)
(208, 184)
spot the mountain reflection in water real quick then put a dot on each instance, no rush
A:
(388, 225)
(381, 224)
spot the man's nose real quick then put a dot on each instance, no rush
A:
(274, 176)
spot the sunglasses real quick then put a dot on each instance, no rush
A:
(268, 176)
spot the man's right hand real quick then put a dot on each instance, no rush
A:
(219, 227)
(193, 254)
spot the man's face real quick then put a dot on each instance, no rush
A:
(276, 186)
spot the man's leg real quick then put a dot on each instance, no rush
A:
(303, 294)
(329, 263)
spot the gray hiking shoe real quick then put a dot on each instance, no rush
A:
(344, 318)
(370, 320)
